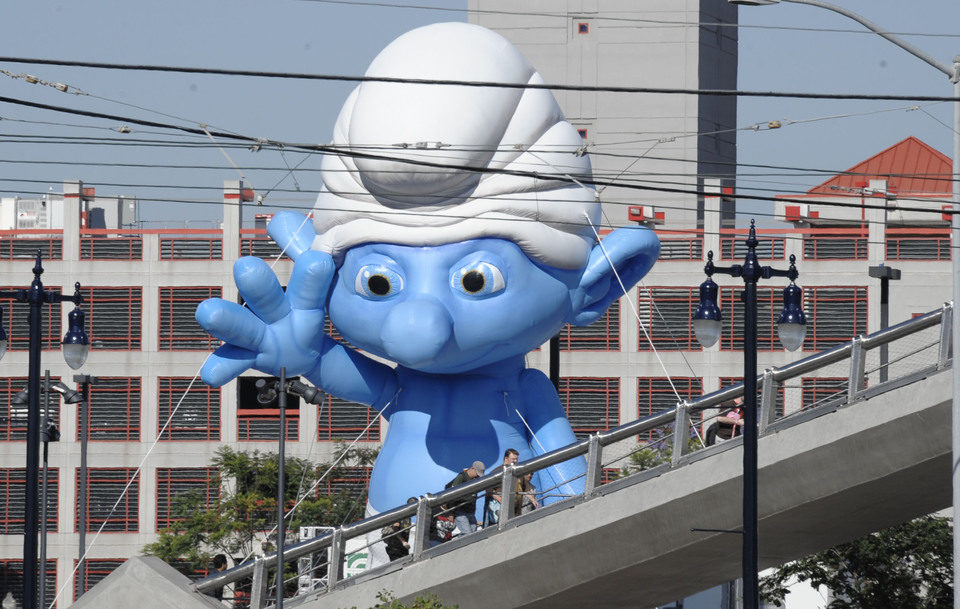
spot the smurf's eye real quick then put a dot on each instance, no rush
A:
(480, 279)
(376, 282)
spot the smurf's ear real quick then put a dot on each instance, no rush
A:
(293, 232)
(632, 251)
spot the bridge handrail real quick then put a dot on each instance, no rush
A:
(591, 448)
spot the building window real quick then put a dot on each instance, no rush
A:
(115, 408)
(110, 247)
(769, 305)
(343, 420)
(666, 313)
(834, 315)
(583, 27)
(197, 415)
(191, 248)
(18, 328)
(601, 335)
(352, 481)
(260, 422)
(655, 394)
(96, 570)
(179, 330)
(768, 248)
(842, 246)
(11, 578)
(13, 486)
(114, 317)
(817, 391)
(917, 244)
(677, 248)
(592, 404)
(104, 489)
(13, 417)
(180, 483)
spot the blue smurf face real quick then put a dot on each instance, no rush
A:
(449, 308)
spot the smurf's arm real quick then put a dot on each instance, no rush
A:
(550, 429)
(352, 376)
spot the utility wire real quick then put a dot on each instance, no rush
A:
(655, 23)
(469, 83)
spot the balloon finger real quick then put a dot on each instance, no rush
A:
(225, 364)
(293, 232)
(310, 280)
(260, 289)
(231, 323)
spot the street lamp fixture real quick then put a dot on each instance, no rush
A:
(708, 318)
(791, 327)
(76, 343)
(76, 346)
(69, 395)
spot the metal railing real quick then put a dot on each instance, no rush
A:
(916, 364)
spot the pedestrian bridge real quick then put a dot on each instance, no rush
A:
(855, 458)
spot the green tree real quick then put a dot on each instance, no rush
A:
(908, 566)
(386, 600)
(653, 454)
(247, 505)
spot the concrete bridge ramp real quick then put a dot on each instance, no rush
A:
(846, 473)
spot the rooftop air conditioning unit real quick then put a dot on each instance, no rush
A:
(32, 214)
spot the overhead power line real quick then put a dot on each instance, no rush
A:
(471, 83)
(620, 17)
(341, 151)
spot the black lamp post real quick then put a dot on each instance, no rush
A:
(48, 433)
(76, 346)
(791, 327)
(268, 391)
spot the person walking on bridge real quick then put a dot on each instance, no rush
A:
(464, 512)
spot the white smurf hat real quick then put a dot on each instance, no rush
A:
(388, 200)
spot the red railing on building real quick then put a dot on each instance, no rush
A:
(111, 244)
(835, 243)
(771, 244)
(22, 244)
(191, 244)
(680, 245)
(918, 244)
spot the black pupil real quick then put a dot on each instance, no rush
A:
(473, 281)
(379, 285)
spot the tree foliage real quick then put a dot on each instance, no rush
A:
(236, 521)
(386, 600)
(908, 566)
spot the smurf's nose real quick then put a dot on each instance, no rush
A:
(415, 331)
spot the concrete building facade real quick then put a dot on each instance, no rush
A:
(663, 141)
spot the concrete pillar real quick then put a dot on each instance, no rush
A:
(711, 216)
(232, 218)
(72, 210)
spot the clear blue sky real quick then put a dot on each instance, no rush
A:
(319, 37)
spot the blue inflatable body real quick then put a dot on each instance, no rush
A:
(453, 274)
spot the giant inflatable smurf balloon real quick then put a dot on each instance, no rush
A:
(444, 242)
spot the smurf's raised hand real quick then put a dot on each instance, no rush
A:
(276, 328)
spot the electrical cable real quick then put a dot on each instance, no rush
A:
(482, 170)
(659, 23)
(474, 83)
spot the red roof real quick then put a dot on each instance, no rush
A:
(910, 167)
